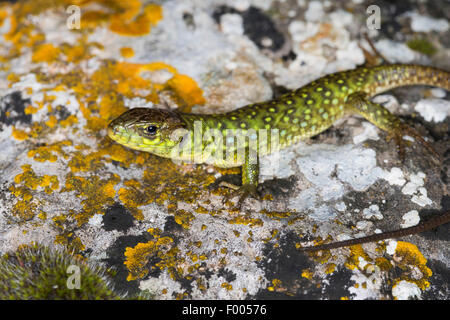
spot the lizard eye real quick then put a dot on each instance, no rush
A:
(151, 130)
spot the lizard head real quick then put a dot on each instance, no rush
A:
(153, 130)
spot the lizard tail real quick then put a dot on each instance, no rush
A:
(397, 75)
(424, 226)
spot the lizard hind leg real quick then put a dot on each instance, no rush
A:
(359, 103)
(374, 58)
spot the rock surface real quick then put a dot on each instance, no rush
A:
(162, 225)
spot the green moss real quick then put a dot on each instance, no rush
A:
(39, 272)
(422, 46)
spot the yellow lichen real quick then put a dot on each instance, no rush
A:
(331, 267)
(132, 198)
(12, 78)
(184, 218)
(70, 241)
(276, 283)
(227, 286)
(308, 274)
(383, 263)
(356, 252)
(52, 121)
(32, 132)
(19, 134)
(408, 257)
(69, 121)
(246, 220)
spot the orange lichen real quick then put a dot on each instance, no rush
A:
(186, 89)
(98, 193)
(47, 152)
(3, 16)
(45, 53)
(26, 181)
(137, 257)
(30, 110)
(127, 52)
(130, 24)
(101, 97)
(132, 198)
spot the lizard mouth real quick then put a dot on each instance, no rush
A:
(119, 134)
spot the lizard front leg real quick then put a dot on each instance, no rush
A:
(250, 175)
(381, 117)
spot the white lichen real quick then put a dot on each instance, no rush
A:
(435, 110)
(405, 290)
(410, 219)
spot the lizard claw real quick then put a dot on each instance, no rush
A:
(247, 190)
(403, 129)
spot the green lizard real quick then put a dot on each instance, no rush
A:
(297, 115)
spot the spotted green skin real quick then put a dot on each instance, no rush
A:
(297, 115)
